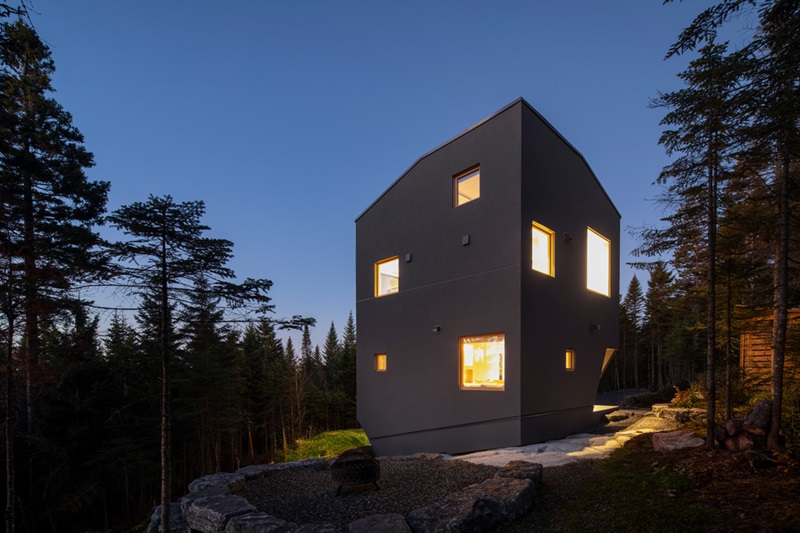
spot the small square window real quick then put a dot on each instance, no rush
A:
(542, 249)
(598, 263)
(387, 276)
(482, 362)
(467, 186)
(570, 362)
(380, 362)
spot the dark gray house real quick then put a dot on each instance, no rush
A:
(487, 288)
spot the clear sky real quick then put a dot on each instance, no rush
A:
(289, 118)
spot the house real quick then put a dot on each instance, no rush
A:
(755, 351)
(487, 288)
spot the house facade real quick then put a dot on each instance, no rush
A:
(487, 288)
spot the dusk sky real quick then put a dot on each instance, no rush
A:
(289, 118)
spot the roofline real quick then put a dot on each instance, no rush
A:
(481, 122)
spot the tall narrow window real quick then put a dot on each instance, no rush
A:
(598, 263)
(482, 364)
(387, 276)
(467, 186)
(543, 248)
(570, 362)
(380, 362)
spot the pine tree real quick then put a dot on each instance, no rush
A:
(166, 250)
(633, 304)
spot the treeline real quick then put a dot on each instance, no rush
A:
(730, 229)
(189, 379)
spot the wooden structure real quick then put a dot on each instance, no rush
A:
(755, 353)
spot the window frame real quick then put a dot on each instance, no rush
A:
(462, 175)
(461, 385)
(551, 248)
(589, 233)
(377, 276)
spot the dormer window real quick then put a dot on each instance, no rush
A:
(467, 186)
(387, 276)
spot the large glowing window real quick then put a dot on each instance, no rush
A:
(467, 186)
(598, 263)
(543, 248)
(482, 362)
(387, 276)
(380, 362)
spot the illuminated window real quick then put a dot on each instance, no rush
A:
(467, 186)
(387, 276)
(543, 251)
(380, 362)
(482, 362)
(598, 263)
(570, 364)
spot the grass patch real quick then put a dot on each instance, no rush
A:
(328, 444)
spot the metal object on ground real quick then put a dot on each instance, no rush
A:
(356, 467)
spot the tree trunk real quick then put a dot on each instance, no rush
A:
(711, 318)
(9, 426)
(781, 304)
(728, 351)
(165, 397)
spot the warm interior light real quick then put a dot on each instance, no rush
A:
(598, 263)
(387, 276)
(380, 362)
(468, 187)
(483, 362)
(570, 363)
(542, 257)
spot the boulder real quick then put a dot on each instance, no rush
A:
(720, 433)
(675, 440)
(211, 514)
(506, 498)
(253, 471)
(385, 523)
(450, 515)
(745, 442)
(187, 500)
(176, 520)
(259, 523)
(222, 479)
(523, 470)
(733, 426)
(757, 421)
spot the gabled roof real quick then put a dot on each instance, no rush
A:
(481, 122)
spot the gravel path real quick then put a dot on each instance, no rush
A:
(308, 496)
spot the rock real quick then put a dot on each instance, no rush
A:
(316, 463)
(212, 513)
(730, 444)
(675, 440)
(744, 442)
(456, 516)
(259, 523)
(757, 421)
(733, 426)
(222, 479)
(253, 471)
(176, 520)
(385, 523)
(187, 500)
(523, 470)
(617, 417)
(316, 528)
(506, 498)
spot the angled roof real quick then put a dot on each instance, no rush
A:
(481, 122)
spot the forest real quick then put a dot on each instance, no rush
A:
(103, 422)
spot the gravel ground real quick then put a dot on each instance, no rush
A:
(308, 496)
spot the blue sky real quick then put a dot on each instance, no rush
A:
(289, 118)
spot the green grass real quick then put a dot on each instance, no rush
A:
(328, 444)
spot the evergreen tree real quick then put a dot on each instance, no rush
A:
(657, 313)
(633, 304)
(166, 250)
(48, 207)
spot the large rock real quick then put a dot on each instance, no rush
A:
(383, 523)
(675, 440)
(211, 514)
(222, 479)
(506, 498)
(259, 523)
(523, 470)
(253, 471)
(450, 515)
(176, 520)
(733, 426)
(187, 500)
(757, 421)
